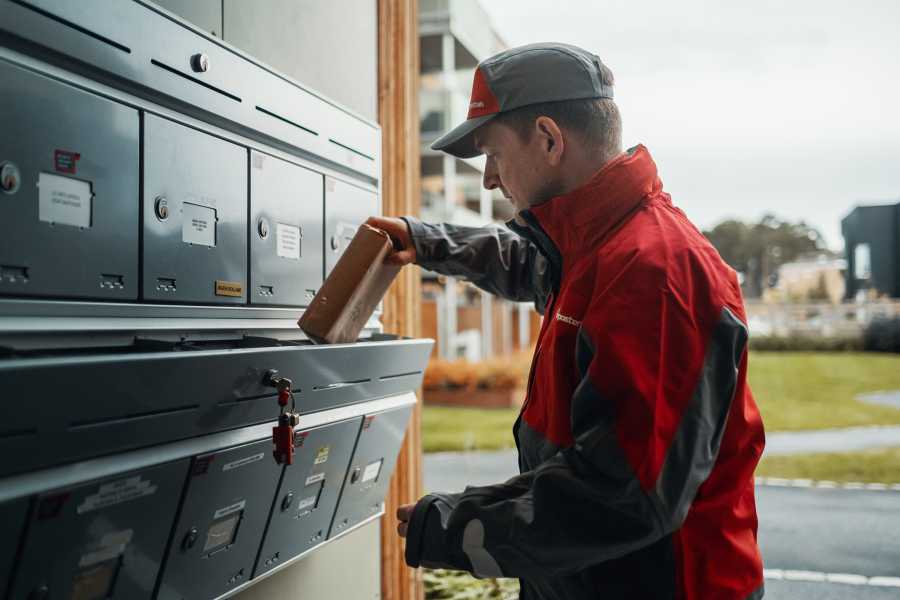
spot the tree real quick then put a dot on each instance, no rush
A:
(757, 250)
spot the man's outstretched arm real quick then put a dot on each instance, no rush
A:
(493, 257)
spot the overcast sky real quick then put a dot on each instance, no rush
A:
(747, 107)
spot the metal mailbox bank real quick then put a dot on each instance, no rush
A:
(168, 207)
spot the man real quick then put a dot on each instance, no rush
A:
(639, 436)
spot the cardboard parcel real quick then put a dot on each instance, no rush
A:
(354, 288)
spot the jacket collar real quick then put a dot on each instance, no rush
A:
(573, 223)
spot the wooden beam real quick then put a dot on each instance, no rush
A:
(398, 113)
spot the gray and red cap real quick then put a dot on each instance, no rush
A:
(517, 77)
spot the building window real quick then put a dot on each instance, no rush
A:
(862, 262)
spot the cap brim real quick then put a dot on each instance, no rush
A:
(459, 141)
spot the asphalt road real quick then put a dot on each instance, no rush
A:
(804, 533)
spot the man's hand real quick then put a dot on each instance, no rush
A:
(404, 250)
(403, 515)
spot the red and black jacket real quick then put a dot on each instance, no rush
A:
(639, 435)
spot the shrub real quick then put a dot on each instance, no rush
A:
(882, 335)
(503, 373)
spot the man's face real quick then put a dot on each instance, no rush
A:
(516, 167)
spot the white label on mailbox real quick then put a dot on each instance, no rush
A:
(64, 200)
(116, 492)
(111, 545)
(231, 508)
(198, 225)
(372, 471)
(307, 502)
(288, 241)
(315, 478)
(242, 461)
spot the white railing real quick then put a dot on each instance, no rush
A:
(820, 319)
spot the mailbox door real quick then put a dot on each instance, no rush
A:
(346, 208)
(220, 526)
(309, 492)
(101, 540)
(286, 213)
(195, 216)
(69, 200)
(12, 521)
(371, 467)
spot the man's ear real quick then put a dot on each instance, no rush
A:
(551, 139)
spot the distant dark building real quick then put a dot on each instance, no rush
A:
(872, 242)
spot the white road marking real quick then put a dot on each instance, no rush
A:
(839, 578)
(826, 485)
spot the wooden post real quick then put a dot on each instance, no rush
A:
(398, 113)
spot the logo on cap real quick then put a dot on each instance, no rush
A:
(483, 102)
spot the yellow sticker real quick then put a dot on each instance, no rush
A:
(229, 288)
(322, 455)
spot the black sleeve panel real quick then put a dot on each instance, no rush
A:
(493, 258)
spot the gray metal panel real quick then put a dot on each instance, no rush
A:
(221, 522)
(205, 14)
(125, 39)
(308, 495)
(371, 468)
(314, 42)
(286, 214)
(132, 399)
(204, 183)
(346, 208)
(58, 242)
(12, 521)
(115, 532)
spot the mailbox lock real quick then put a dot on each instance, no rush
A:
(354, 477)
(200, 62)
(335, 243)
(263, 228)
(288, 500)
(190, 539)
(10, 177)
(162, 208)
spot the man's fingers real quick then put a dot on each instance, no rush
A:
(405, 512)
(404, 257)
(401, 528)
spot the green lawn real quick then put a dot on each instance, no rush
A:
(795, 390)
(446, 428)
(441, 584)
(878, 466)
(810, 390)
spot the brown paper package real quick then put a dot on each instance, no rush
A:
(354, 288)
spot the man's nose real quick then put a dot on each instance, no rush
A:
(490, 180)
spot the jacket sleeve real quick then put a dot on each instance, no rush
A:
(659, 369)
(492, 257)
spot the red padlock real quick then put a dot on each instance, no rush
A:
(283, 438)
(284, 395)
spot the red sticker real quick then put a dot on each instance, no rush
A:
(368, 422)
(64, 161)
(300, 437)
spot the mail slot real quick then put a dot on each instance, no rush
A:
(371, 467)
(286, 213)
(346, 207)
(104, 539)
(195, 216)
(12, 521)
(69, 200)
(309, 492)
(221, 522)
